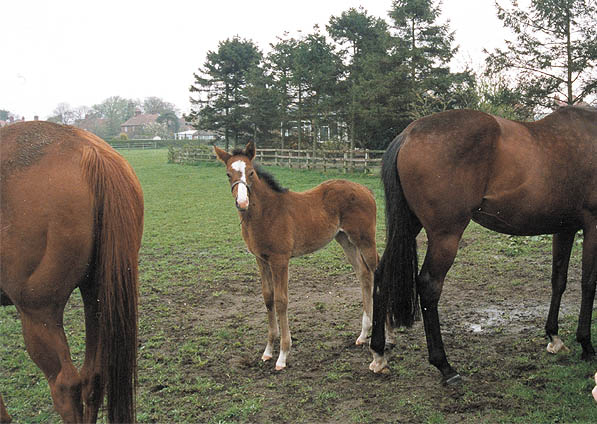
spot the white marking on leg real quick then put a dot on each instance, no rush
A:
(281, 362)
(365, 328)
(267, 353)
(556, 345)
(379, 364)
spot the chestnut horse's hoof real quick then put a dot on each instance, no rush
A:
(455, 380)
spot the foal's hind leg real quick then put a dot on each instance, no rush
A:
(562, 246)
(588, 282)
(4, 417)
(365, 275)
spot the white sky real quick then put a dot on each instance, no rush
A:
(81, 52)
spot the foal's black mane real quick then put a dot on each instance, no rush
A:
(263, 174)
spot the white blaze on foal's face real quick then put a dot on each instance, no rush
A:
(242, 195)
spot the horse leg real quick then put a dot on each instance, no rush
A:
(4, 417)
(440, 255)
(365, 276)
(562, 246)
(589, 279)
(92, 391)
(267, 289)
(279, 269)
(46, 343)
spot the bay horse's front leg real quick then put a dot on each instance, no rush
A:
(4, 417)
(279, 268)
(588, 282)
(561, 247)
(267, 288)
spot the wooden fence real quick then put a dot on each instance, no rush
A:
(368, 161)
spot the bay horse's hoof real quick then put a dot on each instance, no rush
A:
(455, 380)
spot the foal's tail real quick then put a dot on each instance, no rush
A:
(394, 287)
(118, 231)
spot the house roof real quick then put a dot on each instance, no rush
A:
(141, 119)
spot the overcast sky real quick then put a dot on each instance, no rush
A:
(81, 52)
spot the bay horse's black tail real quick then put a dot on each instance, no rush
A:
(394, 287)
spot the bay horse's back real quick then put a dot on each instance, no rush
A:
(72, 216)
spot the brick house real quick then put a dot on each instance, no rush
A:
(134, 126)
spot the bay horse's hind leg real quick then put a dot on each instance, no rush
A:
(92, 391)
(440, 255)
(46, 343)
(588, 282)
(562, 246)
(4, 417)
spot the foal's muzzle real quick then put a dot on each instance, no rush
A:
(241, 208)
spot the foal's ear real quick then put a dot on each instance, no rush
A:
(222, 154)
(250, 150)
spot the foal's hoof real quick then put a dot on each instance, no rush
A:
(266, 358)
(360, 341)
(455, 380)
(280, 367)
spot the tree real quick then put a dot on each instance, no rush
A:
(170, 120)
(555, 51)
(157, 106)
(4, 114)
(63, 114)
(426, 48)
(222, 101)
(115, 110)
(364, 40)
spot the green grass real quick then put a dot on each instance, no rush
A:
(202, 327)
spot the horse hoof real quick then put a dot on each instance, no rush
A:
(360, 342)
(266, 358)
(280, 367)
(455, 380)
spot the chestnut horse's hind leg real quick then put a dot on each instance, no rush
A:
(441, 252)
(267, 288)
(4, 417)
(589, 279)
(562, 246)
(46, 343)
(92, 391)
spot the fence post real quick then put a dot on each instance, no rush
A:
(344, 167)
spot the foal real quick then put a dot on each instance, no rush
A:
(278, 224)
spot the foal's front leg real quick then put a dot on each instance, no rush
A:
(279, 269)
(267, 289)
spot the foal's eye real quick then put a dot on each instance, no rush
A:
(228, 175)
(251, 173)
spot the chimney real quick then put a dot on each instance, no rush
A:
(137, 112)
(36, 118)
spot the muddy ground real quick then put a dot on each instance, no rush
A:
(492, 324)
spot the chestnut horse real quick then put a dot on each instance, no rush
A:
(278, 224)
(72, 216)
(519, 178)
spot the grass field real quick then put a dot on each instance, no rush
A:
(203, 326)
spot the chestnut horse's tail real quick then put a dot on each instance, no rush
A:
(394, 287)
(118, 229)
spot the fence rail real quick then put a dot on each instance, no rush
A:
(137, 144)
(368, 161)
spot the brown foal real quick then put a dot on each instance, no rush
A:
(278, 224)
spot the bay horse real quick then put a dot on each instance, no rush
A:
(518, 178)
(72, 216)
(278, 224)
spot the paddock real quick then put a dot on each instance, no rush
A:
(201, 321)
